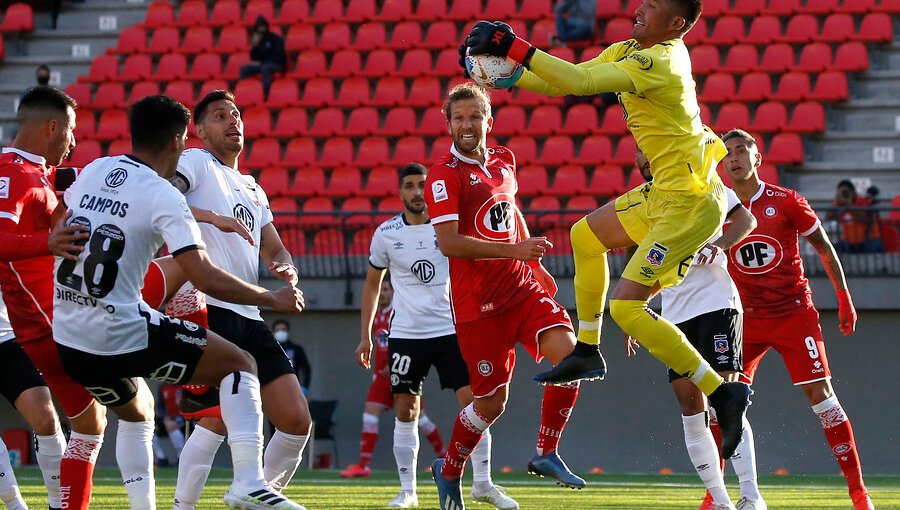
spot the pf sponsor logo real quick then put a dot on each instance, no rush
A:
(495, 219)
(757, 254)
(116, 178)
(485, 368)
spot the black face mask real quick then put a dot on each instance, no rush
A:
(43, 79)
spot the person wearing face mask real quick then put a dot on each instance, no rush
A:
(42, 75)
(281, 329)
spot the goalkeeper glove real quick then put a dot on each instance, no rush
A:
(497, 38)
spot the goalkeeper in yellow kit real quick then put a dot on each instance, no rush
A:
(652, 75)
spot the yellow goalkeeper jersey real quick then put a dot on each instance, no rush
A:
(662, 111)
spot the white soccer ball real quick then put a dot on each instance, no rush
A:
(493, 72)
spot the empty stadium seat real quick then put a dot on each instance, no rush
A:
(536, 213)
(362, 121)
(617, 29)
(786, 148)
(718, 88)
(284, 93)
(395, 10)
(249, 92)
(110, 95)
(792, 87)
(326, 12)
(876, 27)
(164, 40)
(372, 152)
(716, 8)
(263, 153)
(509, 120)
(112, 124)
(499, 9)
(830, 86)
(136, 67)
(310, 64)
(727, 30)
(732, 115)
(464, 10)
(409, 149)
(857, 6)
(433, 123)
(770, 117)
(159, 14)
(370, 36)
(557, 150)
(143, 89)
(523, 147)
(426, 91)
(257, 122)
(777, 58)
(308, 182)
(206, 66)
(336, 152)
(532, 180)
(103, 68)
(344, 181)
(257, 8)
(275, 182)
(360, 11)
(568, 180)
(851, 56)
(225, 12)
(399, 121)
(698, 34)
(814, 57)
(83, 153)
(232, 39)
(544, 120)
(389, 92)
(192, 13)
(284, 211)
(382, 182)
(581, 119)
(430, 11)
(343, 63)
(119, 147)
(801, 28)
(381, 62)
(763, 30)
(335, 36)
(170, 67)
(211, 85)
(577, 207)
(755, 87)
(784, 7)
(357, 205)
(415, 62)
(85, 125)
(626, 149)
(748, 7)
(291, 122)
(807, 117)
(440, 35)
(595, 150)
(820, 6)
(705, 59)
(606, 180)
(131, 40)
(293, 11)
(741, 58)
(327, 122)
(537, 9)
(19, 18)
(81, 93)
(318, 92)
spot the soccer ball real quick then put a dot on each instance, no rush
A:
(493, 72)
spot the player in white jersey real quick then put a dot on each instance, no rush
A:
(421, 335)
(213, 186)
(109, 339)
(24, 387)
(707, 308)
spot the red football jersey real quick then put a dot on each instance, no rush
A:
(766, 266)
(483, 200)
(381, 327)
(169, 396)
(27, 202)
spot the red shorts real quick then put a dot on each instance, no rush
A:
(489, 345)
(72, 396)
(380, 392)
(154, 291)
(797, 337)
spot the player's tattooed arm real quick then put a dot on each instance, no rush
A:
(846, 311)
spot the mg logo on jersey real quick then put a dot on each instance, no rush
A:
(757, 254)
(424, 270)
(242, 213)
(116, 178)
(495, 219)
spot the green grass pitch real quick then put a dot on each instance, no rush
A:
(325, 490)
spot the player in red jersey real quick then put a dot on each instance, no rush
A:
(500, 293)
(379, 397)
(778, 307)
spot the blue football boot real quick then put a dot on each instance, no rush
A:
(552, 465)
(449, 491)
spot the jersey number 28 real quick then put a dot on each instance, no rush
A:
(100, 268)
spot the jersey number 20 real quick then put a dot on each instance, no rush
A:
(100, 268)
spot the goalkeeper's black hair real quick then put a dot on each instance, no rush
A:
(689, 10)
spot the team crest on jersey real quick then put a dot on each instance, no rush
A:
(657, 254)
(495, 219)
(4, 187)
(485, 368)
(770, 211)
(242, 213)
(116, 177)
(720, 342)
(757, 254)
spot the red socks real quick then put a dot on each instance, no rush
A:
(467, 432)
(555, 411)
(839, 435)
(366, 447)
(76, 470)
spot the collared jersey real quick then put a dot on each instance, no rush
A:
(27, 202)
(766, 266)
(130, 212)
(482, 198)
(706, 288)
(420, 276)
(209, 184)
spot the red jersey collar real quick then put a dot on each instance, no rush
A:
(34, 158)
(464, 159)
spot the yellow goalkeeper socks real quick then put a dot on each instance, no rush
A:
(591, 281)
(665, 341)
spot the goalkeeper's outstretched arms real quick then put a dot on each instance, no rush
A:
(547, 75)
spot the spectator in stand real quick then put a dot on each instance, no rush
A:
(42, 75)
(267, 54)
(575, 21)
(860, 228)
(281, 329)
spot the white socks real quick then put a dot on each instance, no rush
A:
(283, 454)
(9, 487)
(704, 454)
(744, 463)
(135, 458)
(49, 451)
(242, 413)
(406, 453)
(194, 465)
(481, 460)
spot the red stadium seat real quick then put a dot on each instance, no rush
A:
(192, 13)
(857, 6)
(557, 150)
(85, 125)
(544, 120)
(382, 182)
(326, 242)
(523, 147)
(581, 119)
(113, 124)
(373, 151)
(440, 35)
(171, 67)
(183, 91)
(830, 86)
(425, 91)
(838, 28)
(851, 56)
(343, 63)
(430, 11)
(792, 87)
(705, 59)
(617, 29)
(606, 180)
(808, 117)
(257, 8)
(390, 206)
(433, 123)
(577, 207)
(786, 148)
(748, 7)
(699, 33)
(257, 122)
(233, 66)
(440, 147)
(537, 9)
(777, 58)
(499, 9)
(563, 52)
(814, 57)
(310, 64)
(275, 182)
(625, 151)
(358, 205)
(335, 36)
(83, 153)
(784, 7)
(284, 211)
(225, 12)
(136, 68)
(283, 93)
(820, 6)
(407, 34)
(446, 64)
(344, 181)
(143, 89)
(370, 36)
(532, 180)
(354, 92)
(742, 58)
(327, 122)
(119, 147)
(131, 40)
(716, 8)
(755, 87)
(728, 30)
(465, 10)
(336, 152)
(159, 14)
(300, 152)
(568, 180)
(381, 63)
(389, 92)
(19, 18)
(509, 120)
(802, 28)
(249, 92)
(359, 11)
(595, 150)
(732, 115)
(770, 117)
(206, 66)
(395, 10)
(590, 53)
(319, 92)
(232, 39)
(409, 149)
(293, 11)
(103, 68)
(308, 182)
(613, 121)
(326, 12)
(164, 40)
(876, 27)
(300, 37)
(291, 122)
(110, 95)
(718, 88)
(415, 62)
(536, 213)
(264, 153)
(81, 93)
(399, 121)
(763, 30)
